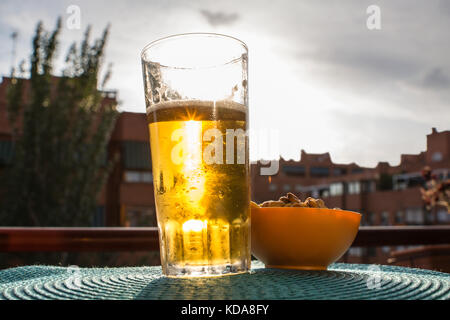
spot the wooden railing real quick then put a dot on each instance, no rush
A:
(421, 252)
(146, 239)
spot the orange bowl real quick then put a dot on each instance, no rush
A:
(301, 238)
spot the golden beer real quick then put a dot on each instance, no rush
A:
(201, 183)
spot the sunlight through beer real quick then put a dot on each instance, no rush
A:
(196, 95)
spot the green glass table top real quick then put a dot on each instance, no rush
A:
(341, 281)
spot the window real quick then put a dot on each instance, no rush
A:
(354, 187)
(355, 251)
(398, 219)
(294, 170)
(367, 218)
(147, 177)
(414, 216)
(325, 193)
(136, 155)
(429, 217)
(138, 177)
(400, 184)
(415, 182)
(98, 219)
(437, 156)
(339, 171)
(368, 186)
(336, 189)
(273, 187)
(298, 188)
(444, 175)
(442, 216)
(404, 181)
(371, 217)
(357, 170)
(286, 187)
(320, 171)
(385, 218)
(132, 176)
(386, 249)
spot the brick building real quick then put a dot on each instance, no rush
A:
(385, 195)
(127, 199)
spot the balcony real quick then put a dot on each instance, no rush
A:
(434, 241)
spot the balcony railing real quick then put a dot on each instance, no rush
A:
(146, 239)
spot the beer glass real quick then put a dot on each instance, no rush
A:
(196, 97)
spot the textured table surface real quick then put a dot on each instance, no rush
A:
(341, 281)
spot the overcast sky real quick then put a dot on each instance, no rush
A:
(318, 75)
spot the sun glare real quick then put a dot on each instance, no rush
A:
(192, 166)
(194, 225)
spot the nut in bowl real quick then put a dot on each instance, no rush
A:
(291, 234)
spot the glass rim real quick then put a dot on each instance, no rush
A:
(180, 35)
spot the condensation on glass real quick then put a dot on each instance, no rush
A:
(196, 97)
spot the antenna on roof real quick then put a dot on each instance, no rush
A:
(14, 36)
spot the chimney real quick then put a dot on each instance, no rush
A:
(433, 130)
(303, 155)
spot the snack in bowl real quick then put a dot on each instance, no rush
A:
(293, 234)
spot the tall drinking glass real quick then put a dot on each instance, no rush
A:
(196, 96)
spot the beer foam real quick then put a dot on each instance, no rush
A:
(226, 104)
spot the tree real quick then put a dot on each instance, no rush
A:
(61, 128)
